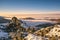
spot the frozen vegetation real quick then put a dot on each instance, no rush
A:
(43, 33)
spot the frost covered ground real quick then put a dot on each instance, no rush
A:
(33, 37)
(3, 34)
(53, 34)
(32, 23)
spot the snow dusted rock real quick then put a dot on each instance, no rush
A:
(55, 31)
(58, 25)
(33, 37)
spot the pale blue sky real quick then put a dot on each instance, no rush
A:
(29, 5)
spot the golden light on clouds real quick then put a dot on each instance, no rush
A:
(35, 14)
(30, 12)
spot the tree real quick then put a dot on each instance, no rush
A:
(15, 27)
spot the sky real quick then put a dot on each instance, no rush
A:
(29, 7)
